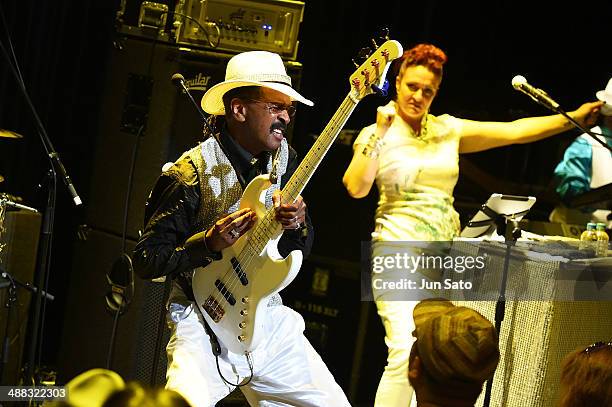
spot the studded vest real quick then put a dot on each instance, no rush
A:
(220, 190)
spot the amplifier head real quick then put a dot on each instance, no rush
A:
(239, 25)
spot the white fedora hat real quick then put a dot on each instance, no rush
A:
(606, 96)
(252, 68)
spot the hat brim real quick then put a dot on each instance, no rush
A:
(212, 101)
(604, 97)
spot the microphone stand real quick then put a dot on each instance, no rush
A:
(12, 284)
(507, 226)
(559, 110)
(12, 297)
(178, 80)
(44, 258)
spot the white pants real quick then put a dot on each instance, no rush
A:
(287, 371)
(394, 390)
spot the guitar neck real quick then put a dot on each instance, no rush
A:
(296, 184)
(311, 161)
(371, 72)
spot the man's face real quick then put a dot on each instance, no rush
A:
(267, 118)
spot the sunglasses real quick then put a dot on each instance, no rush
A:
(597, 346)
(276, 108)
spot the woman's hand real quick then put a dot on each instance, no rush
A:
(384, 118)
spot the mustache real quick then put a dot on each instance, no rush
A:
(278, 125)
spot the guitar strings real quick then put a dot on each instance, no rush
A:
(248, 254)
(329, 131)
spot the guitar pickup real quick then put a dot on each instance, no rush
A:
(225, 292)
(213, 309)
(241, 274)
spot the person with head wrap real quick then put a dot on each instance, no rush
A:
(456, 351)
(586, 165)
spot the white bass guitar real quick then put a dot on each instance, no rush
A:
(232, 293)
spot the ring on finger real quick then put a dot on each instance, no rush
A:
(234, 233)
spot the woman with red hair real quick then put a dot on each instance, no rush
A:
(414, 158)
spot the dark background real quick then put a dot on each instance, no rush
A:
(63, 49)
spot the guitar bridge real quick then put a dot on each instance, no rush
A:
(214, 310)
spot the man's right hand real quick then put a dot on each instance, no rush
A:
(228, 229)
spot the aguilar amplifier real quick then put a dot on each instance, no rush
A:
(221, 25)
(239, 25)
(141, 334)
(146, 123)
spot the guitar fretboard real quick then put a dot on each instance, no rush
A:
(296, 184)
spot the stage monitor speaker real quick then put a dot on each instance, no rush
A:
(20, 235)
(142, 333)
(143, 114)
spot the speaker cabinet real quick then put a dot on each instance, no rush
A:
(142, 333)
(19, 234)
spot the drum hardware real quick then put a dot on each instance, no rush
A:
(9, 134)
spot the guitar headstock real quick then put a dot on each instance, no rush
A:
(373, 71)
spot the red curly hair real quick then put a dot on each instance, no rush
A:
(426, 55)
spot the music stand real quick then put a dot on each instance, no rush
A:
(500, 213)
(494, 213)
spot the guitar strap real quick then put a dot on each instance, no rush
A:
(214, 342)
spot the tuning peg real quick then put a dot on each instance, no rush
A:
(362, 55)
(383, 35)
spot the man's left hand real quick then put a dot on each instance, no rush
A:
(290, 216)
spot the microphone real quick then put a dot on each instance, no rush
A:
(520, 83)
(54, 156)
(179, 81)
